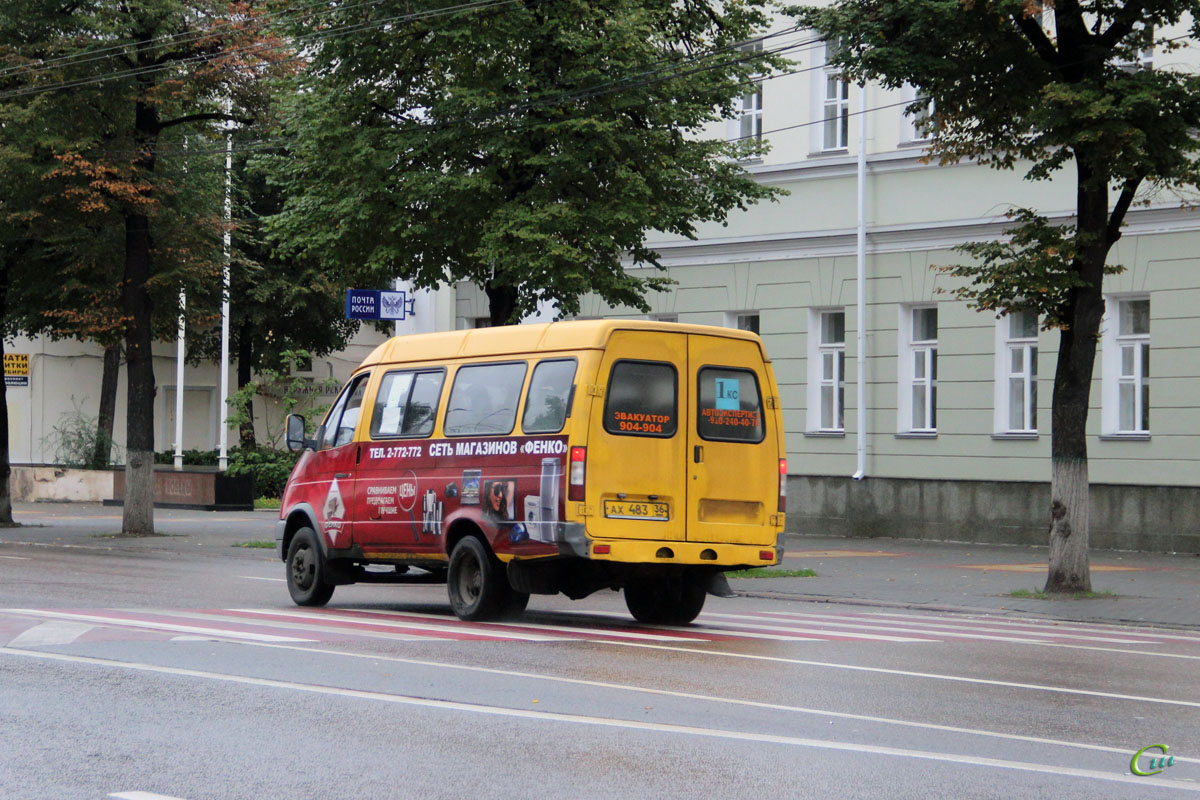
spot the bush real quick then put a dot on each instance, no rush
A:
(270, 468)
(191, 458)
(74, 441)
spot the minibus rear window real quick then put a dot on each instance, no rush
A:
(547, 404)
(642, 399)
(729, 406)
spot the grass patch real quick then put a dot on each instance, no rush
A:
(259, 544)
(1038, 594)
(267, 502)
(766, 572)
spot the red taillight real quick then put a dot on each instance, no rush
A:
(766, 555)
(578, 474)
(601, 549)
(782, 485)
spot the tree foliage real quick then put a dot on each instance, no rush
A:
(525, 146)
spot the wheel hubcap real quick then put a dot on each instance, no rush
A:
(303, 568)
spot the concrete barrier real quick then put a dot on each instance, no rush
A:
(48, 484)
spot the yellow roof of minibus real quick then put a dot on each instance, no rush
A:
(510, 340)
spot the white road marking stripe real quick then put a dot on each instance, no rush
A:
(53, 632)
(927, 629)
(16, 558)
(734, 629)
(705, 698)
(1080, 627)
(608, 722)
(256, 578)
(142, 796)
(910, 674)
(158, 626)
(397, 636)
(332, 621)
(562, 628)
(1121, 650)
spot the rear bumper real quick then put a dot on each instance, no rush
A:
(638, 551)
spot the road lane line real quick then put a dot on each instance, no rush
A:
(911, 674)
(16, 558)
(121, 622)
(609, 722)
(256, 578)
(821, 712)
(348, 625)
(141, 796)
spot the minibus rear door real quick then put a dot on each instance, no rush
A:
(733, 470)
(636, 484)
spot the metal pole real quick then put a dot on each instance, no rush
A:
(861, 332)
(180, 351)
(226, 250)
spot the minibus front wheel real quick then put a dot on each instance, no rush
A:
(478, 586)
(306, 578)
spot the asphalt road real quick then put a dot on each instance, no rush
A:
(178, 667)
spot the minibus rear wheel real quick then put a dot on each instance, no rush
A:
(665, 601)
(306, 570)
(478, 586)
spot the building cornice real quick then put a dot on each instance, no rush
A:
(940, 235)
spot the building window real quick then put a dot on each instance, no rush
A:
(1016, 374)
(750, 105)
(742, 320)
(835, 131)
(918, 126)
(1133, 382)
(664, 317)
(827, 370)
(918, 368)
(481, 322)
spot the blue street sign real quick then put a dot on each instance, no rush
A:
(375, 304)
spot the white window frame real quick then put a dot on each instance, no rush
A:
(1006, 344)
(910, 128)
(748, 108)
(1118, 372)
(823, 105)
(909, 377)
(823, 382)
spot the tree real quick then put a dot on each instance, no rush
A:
(526, 146)
(150, 70)
(284, 305)
(1019, 83)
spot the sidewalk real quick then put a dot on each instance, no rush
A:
(889, 573)
(1147, 588)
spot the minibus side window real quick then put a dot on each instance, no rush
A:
(484, 399)
(548, 401)
(642, 399)
(340, 424)
(729, 407)
(406, 404)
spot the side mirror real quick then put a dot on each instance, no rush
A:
(295, 434)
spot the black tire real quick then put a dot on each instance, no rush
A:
(306, 573)
(665, 601)
(476, 582)
(514, 604)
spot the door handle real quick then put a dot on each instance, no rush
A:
(698, 454)
(341, 474)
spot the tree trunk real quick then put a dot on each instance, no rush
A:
(245, 372)
(1068, 568)
(6, 517)
(138, 517)
(102, 454)
(502, 301)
